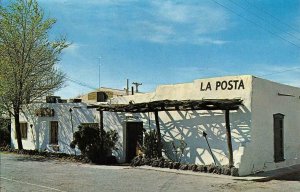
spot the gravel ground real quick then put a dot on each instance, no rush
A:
(25, 173)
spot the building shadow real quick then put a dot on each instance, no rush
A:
(187, 127)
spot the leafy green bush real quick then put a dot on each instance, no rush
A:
(150, 147)
(95, 147)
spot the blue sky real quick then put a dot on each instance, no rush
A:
(166, 42)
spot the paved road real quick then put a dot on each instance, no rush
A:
(22, 173)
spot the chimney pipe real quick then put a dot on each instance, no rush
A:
(127, 88)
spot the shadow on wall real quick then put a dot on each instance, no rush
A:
(41, 125)
(115, 120)
(189, 128)
(186, 128)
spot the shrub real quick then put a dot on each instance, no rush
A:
(179, 150)
(4, 133)
(95, 147)
(150, 147)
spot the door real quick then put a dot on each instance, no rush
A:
(134, 139)
(54, 132)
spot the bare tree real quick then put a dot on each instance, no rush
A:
(27, 57)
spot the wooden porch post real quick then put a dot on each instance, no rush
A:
(228, 134)
(101, 122)
(158, 134)
(101, 130)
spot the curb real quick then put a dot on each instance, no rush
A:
(263, 177)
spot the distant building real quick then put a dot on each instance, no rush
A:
(49, 124)
(102, 95)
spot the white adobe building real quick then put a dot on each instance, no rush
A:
(265, 130)
(265, 127)
(50, 126)
(50, 123)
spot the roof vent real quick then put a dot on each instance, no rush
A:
(53, 99)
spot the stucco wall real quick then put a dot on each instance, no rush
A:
(38, 137)
(251, 125)
(259, 154)
(189, 125)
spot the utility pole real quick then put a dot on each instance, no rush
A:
(136, 86)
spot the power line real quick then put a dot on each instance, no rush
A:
(283, 71)
(262, 18)
(269, 31)
(80, 83)
(276, 18)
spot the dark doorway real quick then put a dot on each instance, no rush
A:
(134, 138)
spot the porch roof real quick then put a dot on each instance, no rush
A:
(173, 105)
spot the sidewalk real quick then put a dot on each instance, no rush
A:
(264, 176)
(277, 174)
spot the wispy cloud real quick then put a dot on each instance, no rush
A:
(196, 72)
(73, 48)
(86, 2)
(172, 12)
(153, 32)
(173, 22)
(203, 17)
(178, 23)
(166, 22)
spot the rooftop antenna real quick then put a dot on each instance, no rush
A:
(136, 86)
(99, 70)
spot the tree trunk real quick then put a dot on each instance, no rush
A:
(17, 127)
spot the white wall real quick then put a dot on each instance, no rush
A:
(38, 137)
(251, 125)
(259, 154)
(188, 126)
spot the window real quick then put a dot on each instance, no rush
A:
(54, 132)
(278, 137)
(23, 128)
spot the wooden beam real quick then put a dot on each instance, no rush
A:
(101, 130)
(158, 134)
(174, 105)
(228, 134)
